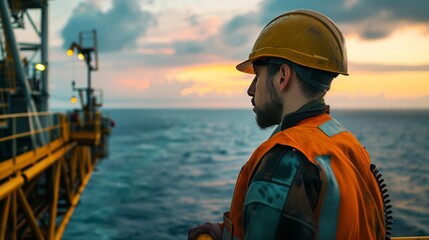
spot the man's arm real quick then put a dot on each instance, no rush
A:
(282, 197)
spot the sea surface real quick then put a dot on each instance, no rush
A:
(169, 170)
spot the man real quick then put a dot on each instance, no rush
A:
(312, 178)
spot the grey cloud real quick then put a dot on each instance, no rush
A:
(374, 34)
(118, 27)
(236, 36)
(370, 19)
(235, 32)
(239, 22)
(188, 47)
(193, 20)
(348, 11)
(131, 58)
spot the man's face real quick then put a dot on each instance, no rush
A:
(267, 104)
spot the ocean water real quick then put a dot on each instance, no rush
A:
(169, 170)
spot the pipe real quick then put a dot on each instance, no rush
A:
(10, 186)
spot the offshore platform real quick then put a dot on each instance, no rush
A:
(46, 158)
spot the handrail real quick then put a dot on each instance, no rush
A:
(46, 129)
(17, 115)
(50, 127)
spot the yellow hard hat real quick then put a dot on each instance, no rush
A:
(305, 37)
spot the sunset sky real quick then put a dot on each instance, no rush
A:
(182, 54)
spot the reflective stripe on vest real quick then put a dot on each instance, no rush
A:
(328, 218)
(332, 128)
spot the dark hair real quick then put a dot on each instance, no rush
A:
(273, 67)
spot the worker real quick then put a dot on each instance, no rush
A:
(312, 178)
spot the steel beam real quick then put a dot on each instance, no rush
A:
(4, 216)
(28, 212)
(48, 161)
(56, 173)
(10, 186)
(69, 213)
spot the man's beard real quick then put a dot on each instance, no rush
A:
(270, 114)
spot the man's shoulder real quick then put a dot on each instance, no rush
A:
(279, 162)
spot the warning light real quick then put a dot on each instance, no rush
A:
(70, 52)
(80, 56)
(40, 67)
(73, 99)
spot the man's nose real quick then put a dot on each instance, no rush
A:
(251, 89)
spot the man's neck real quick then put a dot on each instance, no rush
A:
(298, 104)
(312, 108)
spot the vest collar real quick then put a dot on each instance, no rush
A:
(311, 109)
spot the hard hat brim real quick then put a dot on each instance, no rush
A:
(246, 66)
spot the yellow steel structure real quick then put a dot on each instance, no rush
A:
(46, 159)
(40, 188)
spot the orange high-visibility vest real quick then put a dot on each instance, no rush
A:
(350, 204)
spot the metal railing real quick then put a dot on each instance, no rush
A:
(19, 125)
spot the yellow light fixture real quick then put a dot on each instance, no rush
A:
(80, 56)
(70, 52)
(73, 99)
(40, 67)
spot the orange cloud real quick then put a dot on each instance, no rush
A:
(183, 28)
(222, 79)
(136, 84)
(389, 84)
(407, 46)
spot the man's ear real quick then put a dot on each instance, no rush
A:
(285, 76)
